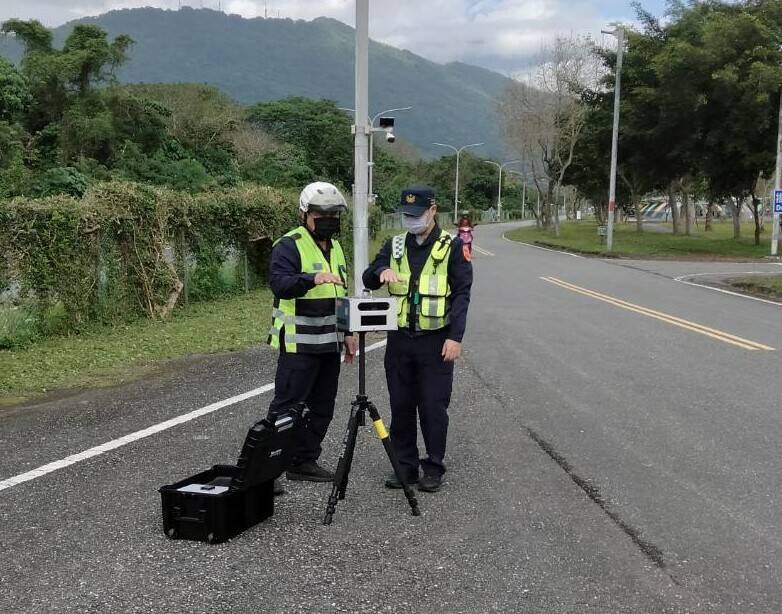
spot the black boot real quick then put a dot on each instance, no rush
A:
(430, 483)
(309, 471)
(393, 481)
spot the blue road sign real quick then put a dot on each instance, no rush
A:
(777, 201)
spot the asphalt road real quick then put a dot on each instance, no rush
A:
(607, 454)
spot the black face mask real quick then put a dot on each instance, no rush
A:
(325, 228)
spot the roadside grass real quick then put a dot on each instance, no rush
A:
(106, 356)
(759, 285)
(717, 244)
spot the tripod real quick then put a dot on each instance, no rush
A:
(358, 410)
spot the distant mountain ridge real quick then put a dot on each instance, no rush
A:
(260, 59)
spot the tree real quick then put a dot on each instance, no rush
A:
(544, 119)
(742, 58)
(317, 128)
(14, 92)
(87, 59)
(90, 58)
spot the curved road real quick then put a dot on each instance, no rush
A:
(614, 448)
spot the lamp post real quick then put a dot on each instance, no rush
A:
(362, 131)
(500, 167)
(777, 186)
(619, 32)
(458, 151)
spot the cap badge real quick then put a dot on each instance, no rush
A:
(410, 199)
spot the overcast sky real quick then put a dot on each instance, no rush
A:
(504, 35)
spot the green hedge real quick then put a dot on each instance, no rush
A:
(127, 250)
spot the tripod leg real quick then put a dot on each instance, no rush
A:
(350, 450)
(384, 437)
(343, 465)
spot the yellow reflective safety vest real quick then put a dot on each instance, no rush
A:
(425, 299)
(308, 324)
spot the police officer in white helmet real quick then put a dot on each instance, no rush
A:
(308, 272)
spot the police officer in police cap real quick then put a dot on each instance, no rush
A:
(430, 274)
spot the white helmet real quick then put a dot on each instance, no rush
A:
(323, 197)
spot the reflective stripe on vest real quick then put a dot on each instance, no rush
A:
(309, 324)
(430, 295)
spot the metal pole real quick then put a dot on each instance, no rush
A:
(778, 186)
(370, 187)
(523, 197)
(456, 194)
(620, 36)
(456, 191)
(362, 133)
(500, 167)
(362, 363)
(499, 199)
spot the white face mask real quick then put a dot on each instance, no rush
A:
(416, 225)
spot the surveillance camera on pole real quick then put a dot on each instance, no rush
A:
(387, 125)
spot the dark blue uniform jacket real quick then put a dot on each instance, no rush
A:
(459, 276)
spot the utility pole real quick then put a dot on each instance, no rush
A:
(362, 132)
(777, 186)
(456, 192)
(619, 32)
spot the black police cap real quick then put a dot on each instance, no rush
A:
(416, 200)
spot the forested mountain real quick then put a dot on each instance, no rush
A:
(267, 59)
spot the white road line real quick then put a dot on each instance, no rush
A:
(682, 280)
(545, 249)
(480, 250)
(147, 432)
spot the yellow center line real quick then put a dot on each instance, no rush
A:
(745, 344)
(721, 333)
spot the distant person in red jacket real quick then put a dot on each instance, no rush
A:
(465, 228)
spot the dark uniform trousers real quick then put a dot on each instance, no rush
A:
(419, 386)
(311, 379)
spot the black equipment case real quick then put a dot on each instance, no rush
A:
(219, 503)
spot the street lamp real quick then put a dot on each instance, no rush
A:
(458, 151)
(619, 32)
(499, 190)
(777, 187)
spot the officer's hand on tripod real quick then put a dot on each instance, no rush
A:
(328, 278)
(452, 350)
(389, 277)
(350, 349)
